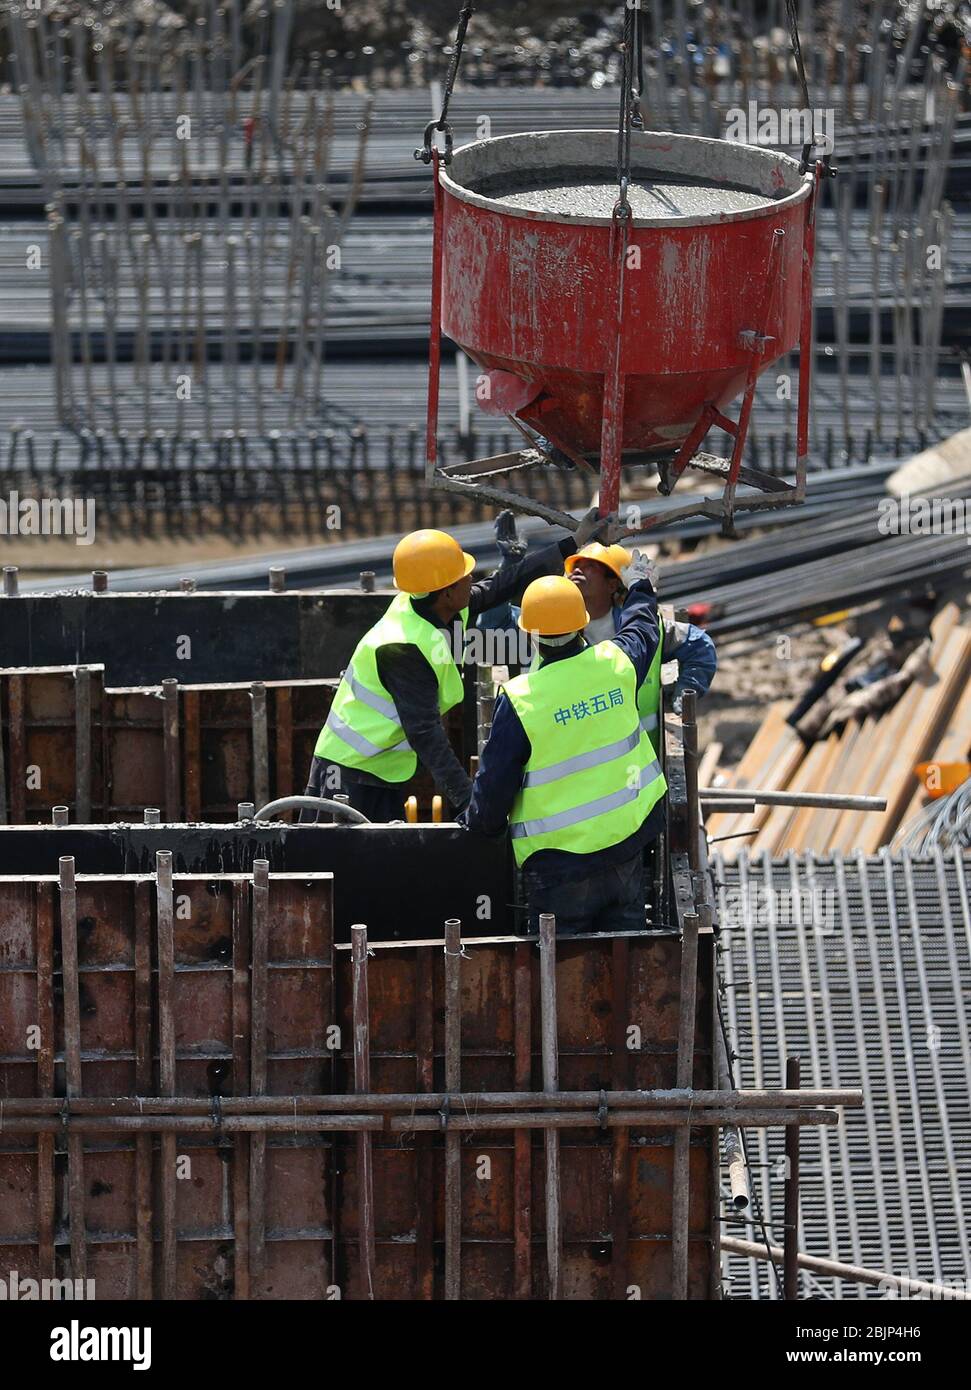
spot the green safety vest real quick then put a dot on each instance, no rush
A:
(363, 729)
(649, 695)
(592, 777)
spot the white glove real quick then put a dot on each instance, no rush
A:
(641, 567)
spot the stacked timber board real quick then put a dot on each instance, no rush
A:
(875, 756)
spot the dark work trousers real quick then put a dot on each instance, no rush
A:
(380, 804)
(611, 899)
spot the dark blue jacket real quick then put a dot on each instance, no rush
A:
(507, 751)
(692, 649)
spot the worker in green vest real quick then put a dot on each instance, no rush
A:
(568, 768)
(597, 570)
(404, 674)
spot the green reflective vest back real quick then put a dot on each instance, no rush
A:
(649, 695)
(363, 729)
(592, 777)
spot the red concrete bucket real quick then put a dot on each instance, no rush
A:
(700, 290)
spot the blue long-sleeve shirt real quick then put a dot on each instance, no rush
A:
(692, 649)
(507, 751)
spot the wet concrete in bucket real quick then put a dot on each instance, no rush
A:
(587, 193)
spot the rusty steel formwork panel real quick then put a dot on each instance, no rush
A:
(193, 751)
(143, 638)
(204, 1098)
(135, 990)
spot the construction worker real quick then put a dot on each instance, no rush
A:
(597, 571)
(568, 768)
(404, 675)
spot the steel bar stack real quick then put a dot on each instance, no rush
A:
(192, 187)
(147, 235)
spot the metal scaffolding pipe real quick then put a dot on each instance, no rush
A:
(406, 1102)
(836, 800)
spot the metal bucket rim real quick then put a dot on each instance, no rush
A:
(769, 209)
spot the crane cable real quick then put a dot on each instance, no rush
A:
(425, 153)
(812, 142)
(630, 101)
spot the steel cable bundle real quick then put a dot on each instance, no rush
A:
(944, 824)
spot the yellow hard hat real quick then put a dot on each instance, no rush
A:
(615, 557)
(553, 606)
(428, 560)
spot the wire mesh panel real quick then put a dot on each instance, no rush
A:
(859, 966)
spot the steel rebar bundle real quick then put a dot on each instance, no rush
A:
(944, 824)
(142, 241)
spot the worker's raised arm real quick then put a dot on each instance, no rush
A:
(411, 683)
(639, 632)
(507, 583)
(694, 651)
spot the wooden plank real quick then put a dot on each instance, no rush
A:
(453, 1086)
(424, 1143)
(824, 760)
(192, 754)
(751, 763)
(4, 815)
(171, 751)
(258, 1003)
(44, 963)
(260, 745)
(771, 744)
(886, 736)
(781, 817)
(775, 776)
(362, 1084)
(708, 767)
(822, 821)
(72, 1060)
(551, 1082)
(18, 750)
(283, 700)
(82, 745)
(620, 1140)
(165, 949)
(144, 1240)
(523, 1141)
(242, 1158)
(951, 666)
(892, 730)
(953, 746)
(681, 1187)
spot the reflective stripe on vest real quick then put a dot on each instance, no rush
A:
(546, 824)
(369, 698)
(592, 776)
(363, 745)
(594, 758)
(363, 729)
